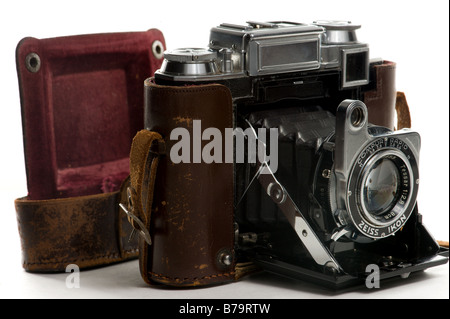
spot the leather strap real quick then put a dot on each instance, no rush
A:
(144, 158)
(87, 231)
(403, 115)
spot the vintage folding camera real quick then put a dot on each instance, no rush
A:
(331, 192)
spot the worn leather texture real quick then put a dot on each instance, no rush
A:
(82, 103)
(192, 217)
(87, 231)
(145, 153)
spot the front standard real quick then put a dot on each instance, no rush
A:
(275, 148)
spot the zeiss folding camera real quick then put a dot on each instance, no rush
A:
(318, 182)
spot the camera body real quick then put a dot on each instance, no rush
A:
(270, 61)
(337, 191)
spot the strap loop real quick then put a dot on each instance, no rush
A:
(403, 115)
(146, 148)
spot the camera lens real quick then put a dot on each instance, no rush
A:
(381, 187)
(385, 187)
(366, 177)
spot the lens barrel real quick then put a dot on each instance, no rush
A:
(381, 187)
(385, 188)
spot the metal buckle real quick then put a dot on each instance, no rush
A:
(133, 219)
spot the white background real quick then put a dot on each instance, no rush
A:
(415, 34)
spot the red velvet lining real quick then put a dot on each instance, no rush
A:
(81, 110)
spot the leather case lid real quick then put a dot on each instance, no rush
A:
(82, 103)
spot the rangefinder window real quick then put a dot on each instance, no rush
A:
(287, 56)
(356, 67)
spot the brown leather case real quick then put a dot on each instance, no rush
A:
(191, 223)
(383, 102)
(380, 101)
(82, 103)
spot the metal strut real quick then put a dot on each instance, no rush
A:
(281, 197)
